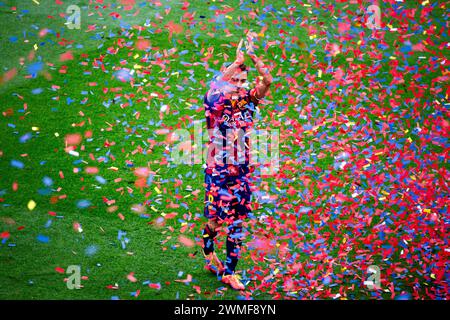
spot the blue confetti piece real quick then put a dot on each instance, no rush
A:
(17, 164)
(91, 250)
(42, 238)
(83, 204)
(123, 75)
(34, 68)
(37, 91)
(100, 180)
(404, 296)
(47, 181)
(121, 234)
(25, 137)
(48, 223)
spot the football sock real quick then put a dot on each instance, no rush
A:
(234, 242)
(208, 240)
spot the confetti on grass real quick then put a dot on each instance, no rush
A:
(43, 239)
(363, 121)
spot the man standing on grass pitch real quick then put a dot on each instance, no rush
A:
(229, 109)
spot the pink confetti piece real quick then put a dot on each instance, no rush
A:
(131, 277)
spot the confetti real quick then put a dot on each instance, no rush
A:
(31, 205)
(362, 117)
(43, 239)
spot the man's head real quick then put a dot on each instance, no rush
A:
(238, 81)
(239, 78)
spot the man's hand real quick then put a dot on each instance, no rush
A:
(214, 93)
(249, 44)
(262, 87)
(239, 54)
(230, 70)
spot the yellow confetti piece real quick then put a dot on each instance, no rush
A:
(157, 190)
(35, 128)
(37, 2)
(154, 209)
(31, 205)
(426, 210)
(56, 134)
(319, 73)
(424, 3)
(35, 47)
(136, 56)
(433, 276)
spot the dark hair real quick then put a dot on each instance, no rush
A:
(243, 67)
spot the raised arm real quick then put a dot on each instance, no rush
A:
(262, 87)
(218, 84)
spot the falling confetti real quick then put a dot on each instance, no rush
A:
(92, 118)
